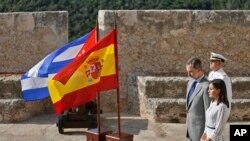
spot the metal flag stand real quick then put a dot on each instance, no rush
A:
(120, 136)
(97, 134)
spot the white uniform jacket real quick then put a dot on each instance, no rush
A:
(220, 74)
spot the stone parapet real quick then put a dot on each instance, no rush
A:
(162, 99)
(161, 41)
(12, 106)
(10, 86)
(240, 110)
(175, 87)
(163, 87)
(174, 110)
(27, 37)
(133, 94)
(241, 87)
(14, 110)
(149, 41)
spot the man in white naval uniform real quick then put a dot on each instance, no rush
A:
(216, 65)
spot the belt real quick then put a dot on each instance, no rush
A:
(210, 127)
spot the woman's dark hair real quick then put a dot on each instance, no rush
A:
(220, 84)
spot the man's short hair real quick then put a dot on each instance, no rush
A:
(196, 62)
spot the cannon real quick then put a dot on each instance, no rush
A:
(83, 116)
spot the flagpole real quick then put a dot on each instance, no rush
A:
(120, 136)
(97, 134)
(98, 113)
(118, 112)
(98, 93)
(118, 89)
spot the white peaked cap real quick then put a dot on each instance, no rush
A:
(216, 56)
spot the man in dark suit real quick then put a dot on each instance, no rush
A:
(197, 99)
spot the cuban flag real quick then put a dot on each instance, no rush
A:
(35, 82)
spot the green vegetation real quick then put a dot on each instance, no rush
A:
(83, 13)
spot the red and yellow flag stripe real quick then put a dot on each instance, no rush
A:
(88, 74)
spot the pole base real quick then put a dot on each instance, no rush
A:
(116, 137)
(94, 135)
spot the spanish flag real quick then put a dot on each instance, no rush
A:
(89, 43)
(87, 74)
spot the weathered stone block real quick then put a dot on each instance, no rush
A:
(10, 86)
(173, 110)
(170, 110)
(14, 110)
(168, 105)
(240, 110)
(27, 37)
(241, 87)
(161, 41)
(133, 96)
(162, 87)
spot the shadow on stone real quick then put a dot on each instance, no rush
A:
(129, 124)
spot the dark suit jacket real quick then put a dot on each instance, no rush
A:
(196, 109)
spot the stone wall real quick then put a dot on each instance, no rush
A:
(162, 99)
(159, 42)
(151, 42)
(25, 39)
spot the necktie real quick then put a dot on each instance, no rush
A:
(191, 90)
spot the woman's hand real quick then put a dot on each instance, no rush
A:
(208, 139)
(203, 137)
